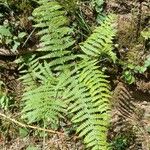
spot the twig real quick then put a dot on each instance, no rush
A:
(7, 52)
(28, 37)
(29, 126)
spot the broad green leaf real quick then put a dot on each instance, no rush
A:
(5, 31)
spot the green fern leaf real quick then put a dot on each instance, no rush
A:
(55, 35)
(44, 102)
(100, 42)
(41, 80)
(88, 100)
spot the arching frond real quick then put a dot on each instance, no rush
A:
(88, 97)
(100, 42)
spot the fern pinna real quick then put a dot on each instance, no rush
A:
(62, 84)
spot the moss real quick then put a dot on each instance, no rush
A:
(123, 141)
(126, 31)
(136, 55)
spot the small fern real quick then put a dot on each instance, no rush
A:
(44, 102)
(98, 5)
(130, 115)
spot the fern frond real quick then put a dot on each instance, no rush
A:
(129, 114)
(55, 35)
(30, 70)
(88, 96)
(99, 6)
(44, 102)
(88, 93)
(100, 42)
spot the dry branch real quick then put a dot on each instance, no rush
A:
(29, 126)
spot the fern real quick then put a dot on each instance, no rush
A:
(130, 115)
(98, 5)
(30, 70)
(53, 82)
(44, 102)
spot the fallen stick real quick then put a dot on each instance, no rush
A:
(29, 126)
